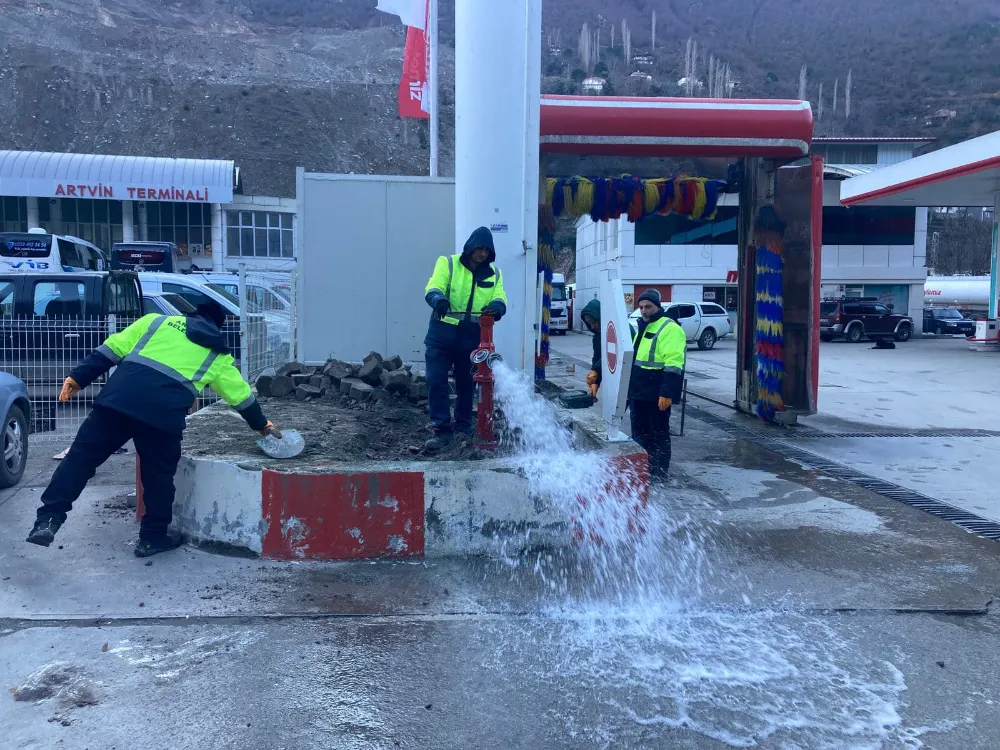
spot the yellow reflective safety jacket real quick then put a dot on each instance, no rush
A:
(162, 364)
(467, 292)
(658, 367)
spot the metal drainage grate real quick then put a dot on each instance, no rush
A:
(810, 434)
(963, 519)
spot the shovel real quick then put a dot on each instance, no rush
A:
(278, 444)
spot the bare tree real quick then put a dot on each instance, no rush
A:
(597, 46)
(585, 48)
(627, 42)
(803, 80)
(847, 94)
(836, 89)
(612, 36)
(711, 76)
(819, 105)
(756, 5)
(653, 45)
(694, 66)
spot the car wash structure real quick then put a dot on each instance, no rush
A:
(673, 153)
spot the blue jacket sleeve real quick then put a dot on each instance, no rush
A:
(90, 369)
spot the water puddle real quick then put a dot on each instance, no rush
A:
(625, 622)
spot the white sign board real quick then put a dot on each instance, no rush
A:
(617, 355)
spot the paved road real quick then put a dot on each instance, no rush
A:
(778, 608)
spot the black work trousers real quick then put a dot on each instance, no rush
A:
(101, 434)
(440, 361)
(651, 430)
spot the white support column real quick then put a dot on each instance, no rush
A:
(32, 204)
(128, 223)
(995, 263)
(55, 216)
(143, 223)
(218, 252)
(497, 102)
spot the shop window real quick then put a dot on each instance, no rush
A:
(97, 221)
(188, 225)
(13, 215)
(680, 230)
(878, 225)
(259, 234)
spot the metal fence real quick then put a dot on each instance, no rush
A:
(268, 319)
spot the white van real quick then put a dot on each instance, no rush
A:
(559, 311)
(40, 252)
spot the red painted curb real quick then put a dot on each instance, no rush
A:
(342, 516)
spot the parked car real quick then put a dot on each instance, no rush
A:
(50, 322)
(704, 323)
(853, 318)
(149, 256)
(160, 303)
(16, 408)
(196, 291)
(262, 298)
(947, 320)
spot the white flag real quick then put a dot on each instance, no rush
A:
(411, 12)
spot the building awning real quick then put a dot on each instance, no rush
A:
(657, 127)
(141, 178)
(966, 174)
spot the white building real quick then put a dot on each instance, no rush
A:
(867, 251)
(195, 203)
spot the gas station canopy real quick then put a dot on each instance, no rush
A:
(659, 127)
(966, 174)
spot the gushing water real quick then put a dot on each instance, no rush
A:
(628, 624)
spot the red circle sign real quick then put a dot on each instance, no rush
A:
(611, 347)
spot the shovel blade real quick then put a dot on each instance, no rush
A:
(289, 445)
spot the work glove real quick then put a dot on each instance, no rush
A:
(664, 403)
(593, 390)
(441, 307)
(70, 388)
(592, 377)
(268, 429)
(495, 310)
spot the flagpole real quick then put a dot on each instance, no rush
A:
(432, 32)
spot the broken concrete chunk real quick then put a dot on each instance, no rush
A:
(398, 382)
(395, 362)
(372, 357)
(361, 391)
(345, 385)
(290, 368)
(264, 385)
(371, 372)
(338, 371)
(301, 379)
(281, 386)
(307, 391)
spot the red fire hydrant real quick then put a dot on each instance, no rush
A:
(484, 358)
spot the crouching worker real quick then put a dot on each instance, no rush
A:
(591, 316)
(657, 380)
(163, 363)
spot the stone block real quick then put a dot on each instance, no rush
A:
(361, 391)
(321, 381)
(290, 368)
(264, 385)
(345, 385)
(398, 381)
(395, 362)
(300, 379)
(418, 391)
(338, 371)
(281, 386)
(371, 372)
(419, 378)
(372, 357)
(307, 391)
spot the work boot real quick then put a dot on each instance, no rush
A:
(438, 443)
(43, 533)
(154, 545)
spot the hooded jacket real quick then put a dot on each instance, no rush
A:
(487, 288)
(593, 310)
(162, 364)
(650, 385)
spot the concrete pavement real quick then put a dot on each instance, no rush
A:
(779, 609)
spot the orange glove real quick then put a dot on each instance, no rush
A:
(70, 388)
(268, 429)
(664, 403)
(592, 377)
(593, 390)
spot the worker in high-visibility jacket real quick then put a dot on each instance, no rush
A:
(657, 380)
(162, 364)
(462, 287)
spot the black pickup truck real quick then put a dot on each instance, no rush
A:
(50, 321)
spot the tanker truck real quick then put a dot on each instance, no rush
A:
(970, 294)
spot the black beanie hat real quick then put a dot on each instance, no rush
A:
(650, 295)
(212, 311)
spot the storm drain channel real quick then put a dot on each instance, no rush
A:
(963, 519)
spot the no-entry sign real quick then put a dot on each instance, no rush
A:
(611, 347)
